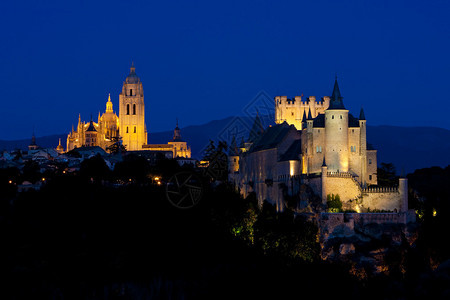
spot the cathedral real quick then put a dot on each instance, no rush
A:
(129, 126)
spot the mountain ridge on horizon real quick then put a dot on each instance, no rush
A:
(408, 148)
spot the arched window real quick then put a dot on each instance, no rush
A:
(127, 129)
(128, 109)
(134, 109)
(134, 129)
(131, 92)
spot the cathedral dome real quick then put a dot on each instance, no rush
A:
(132, 77)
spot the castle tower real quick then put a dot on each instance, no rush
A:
(363, 146)
(132, 112)
(336, 133)
(233, 156)
(403, 190)
(310, 142)
(324, 181)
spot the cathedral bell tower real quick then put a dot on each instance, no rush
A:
(132, 127)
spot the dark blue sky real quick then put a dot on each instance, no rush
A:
(205, 60)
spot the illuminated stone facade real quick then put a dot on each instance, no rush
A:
(129, 126)
(98, 133)
(132, 113)
(326, 148)
(330, 132)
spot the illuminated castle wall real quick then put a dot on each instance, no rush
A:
(329, 132)
(326, 148)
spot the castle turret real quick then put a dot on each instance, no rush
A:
(132, 112)
(324, 181)
(233, 157)
(403, 190)
(310, 142)
(363, 147)
(336, 133)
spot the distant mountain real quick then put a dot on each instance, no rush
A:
(408, 148)
(411, 148)
(49, 141)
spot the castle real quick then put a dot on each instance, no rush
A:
(129, 126)
(318, 144)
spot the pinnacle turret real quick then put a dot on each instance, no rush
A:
(336, 98)
(362, 116)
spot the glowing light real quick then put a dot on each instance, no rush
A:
(43, 178)
(159, 182)
(10, 181)
(156, 178)
(434, 212)
(291, 167)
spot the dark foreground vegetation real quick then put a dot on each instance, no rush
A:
(79, 238)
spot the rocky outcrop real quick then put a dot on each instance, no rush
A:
(369, 248)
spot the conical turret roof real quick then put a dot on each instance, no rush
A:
(336, 98)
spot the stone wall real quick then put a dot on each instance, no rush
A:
(345, 222)
(345, 187)
(382, 200)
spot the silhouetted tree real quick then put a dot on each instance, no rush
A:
(95, 167)
(386, 175)
(209, 151)
(116, 146)
(133, 166)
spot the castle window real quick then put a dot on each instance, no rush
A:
(370, 161)
(292, 113)
(341, 117)
(128, 109)
(370, 177)
(134, 129)
(353, 148)
(134, 109)
(332, 117)
(131, 92)
(127, 129)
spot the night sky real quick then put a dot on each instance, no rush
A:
(206, 60)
